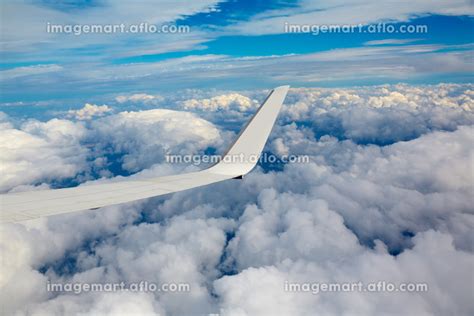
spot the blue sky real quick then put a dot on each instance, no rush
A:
(232, 45)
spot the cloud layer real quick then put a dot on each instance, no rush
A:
(387, 195)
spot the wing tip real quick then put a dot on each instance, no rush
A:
(285, 87)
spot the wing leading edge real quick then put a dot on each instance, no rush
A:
(241, 157)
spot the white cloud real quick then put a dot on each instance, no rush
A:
(385, 63)
(60, 150)
(391, 41)
(145, 137)
(25, 39)
(89, 111)
(28, 71)
(353, 12)
(139, 97)
(382, 114)
(260, 290)
(41, 152)
(225, 101)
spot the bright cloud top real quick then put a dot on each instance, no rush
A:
(89, 111)
(226, 101)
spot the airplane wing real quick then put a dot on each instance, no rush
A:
(241, 157)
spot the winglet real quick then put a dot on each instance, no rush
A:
(243, 154)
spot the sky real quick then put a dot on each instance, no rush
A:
(230, 45)
(386, 120)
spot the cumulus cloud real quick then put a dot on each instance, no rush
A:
(61, 150)
(89, 111)
(225, 101)
(41, 152)
(145, 137)
(429, 261)
(375, 203)
(383, 114)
